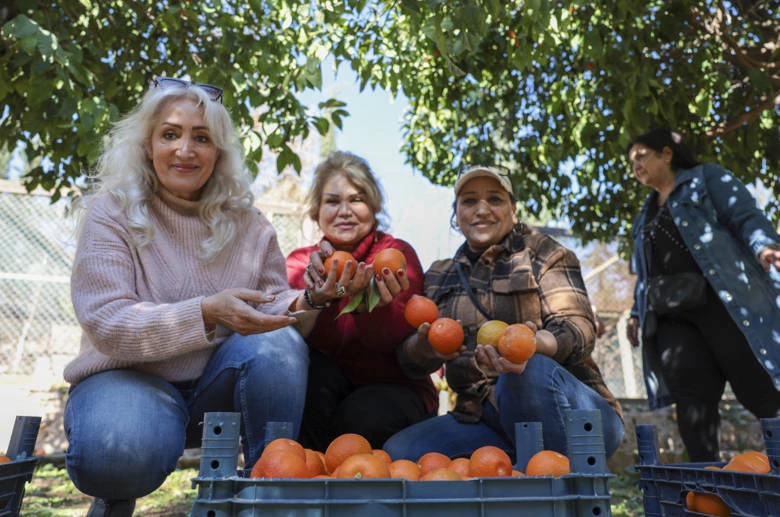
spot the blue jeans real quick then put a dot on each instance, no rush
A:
(541, 393)
(127, 429)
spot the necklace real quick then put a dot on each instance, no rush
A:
(661, 221)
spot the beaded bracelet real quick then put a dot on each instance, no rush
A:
(307, 297)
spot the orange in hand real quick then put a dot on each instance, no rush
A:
(419, 310)
(490, 331)
(391, 259)
(446, 335)
(517, 343)
(490, 461)
(548, 463)
(342, 257)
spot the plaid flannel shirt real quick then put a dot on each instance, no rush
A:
(527, 276)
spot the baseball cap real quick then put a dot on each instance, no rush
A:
(497, 172)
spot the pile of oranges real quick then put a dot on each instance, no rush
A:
(711, 504)
(350, 456)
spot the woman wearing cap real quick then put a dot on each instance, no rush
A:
(508, 272)
(355, 382)
(180, 289)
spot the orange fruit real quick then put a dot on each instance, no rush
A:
(517, 474)
(5, 459)
(315, 463)
(490, 461)
(344, 446)
(548, 463)
(287, 444)
(490, 331)
(404, 469)
(280, 463)
(342, 257)
(381, 453)
(419, 310)
(749, 461)
(391, 259)
(433, 460)
(461, 466)
(711, 504)
(446, 335)
(363, 466)
(441, 474)
(517, 343)
(689, 501)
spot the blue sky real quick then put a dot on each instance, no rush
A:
(419, 211)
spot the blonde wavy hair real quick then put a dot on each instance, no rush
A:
(125, 172)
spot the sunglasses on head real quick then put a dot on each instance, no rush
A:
(500, 170)
(214, 92)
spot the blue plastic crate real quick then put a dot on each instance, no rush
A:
(746, 494)
(225, 492)
(15, 475)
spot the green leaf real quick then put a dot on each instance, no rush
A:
(354, 303)
(373, 295)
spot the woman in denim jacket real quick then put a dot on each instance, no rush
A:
(700, 224)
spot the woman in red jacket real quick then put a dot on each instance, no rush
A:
(355, 382)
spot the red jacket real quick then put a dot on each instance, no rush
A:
(364, 344)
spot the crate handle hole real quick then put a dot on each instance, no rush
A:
(211, 513)
(588, 426)
(596, 510)
(215, 464)
(218, 429)
(591, 460)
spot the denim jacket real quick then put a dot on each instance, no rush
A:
(725, 232)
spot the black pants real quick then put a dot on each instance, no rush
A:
(335, 406)
(700, 350)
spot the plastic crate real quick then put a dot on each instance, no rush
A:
(15, 475)
(746, 494)
(225, 492)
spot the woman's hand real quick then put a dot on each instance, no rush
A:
(419, 349)
(390, 285)
(632, 331)
(768, 258)
(489, 358)
(233, 308)
(325, 287)
(546, 343)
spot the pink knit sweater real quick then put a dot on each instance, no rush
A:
(140, 307)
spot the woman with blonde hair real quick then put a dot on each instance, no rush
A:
(179, 286)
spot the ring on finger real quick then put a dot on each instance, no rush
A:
(340, 291)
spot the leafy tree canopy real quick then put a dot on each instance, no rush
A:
(554, 90)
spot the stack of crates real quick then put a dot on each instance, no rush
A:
(746, 494)
(224, 491)
(15, 475)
